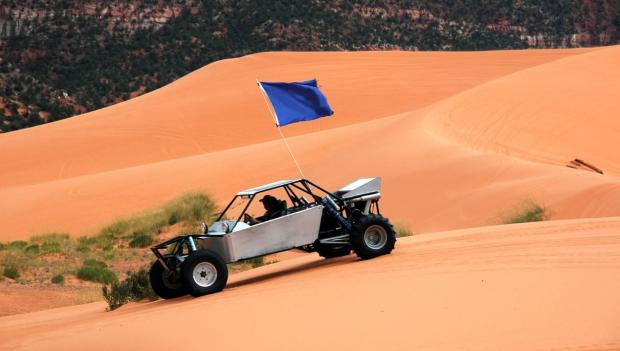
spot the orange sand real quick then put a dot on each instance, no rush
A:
(550, 113)
(460, 140)
(537, 286)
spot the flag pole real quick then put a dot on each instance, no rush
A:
(275, 118)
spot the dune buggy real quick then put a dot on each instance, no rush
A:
(302, 215)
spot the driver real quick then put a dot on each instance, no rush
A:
(274, 208)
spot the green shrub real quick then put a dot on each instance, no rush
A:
(84, 243)
(2, 246)
(91, 262)
(139, 229)
(141, 240)
(96, 271)
(87, 240)
(96, 274)
(32, 249)
(189, 207)
(17, 245)
(134, 288)
(402, 231)
(173, 218)
(58, 279)
(59, 238)
(11, 272)
(82, 248)
(529, 212)
(114, 230)
(52, 242)
(17, 259)
(256, 261)
(50, 247)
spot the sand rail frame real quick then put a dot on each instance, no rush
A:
(327, 223)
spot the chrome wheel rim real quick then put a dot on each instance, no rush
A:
(204, 274)
(375, 237)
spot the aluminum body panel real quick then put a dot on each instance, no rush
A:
(360, 186)
(283, 233)
(217, 244)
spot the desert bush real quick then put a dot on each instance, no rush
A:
(17, 245)
(84, 243)
(140, 240)
(17, 259)
(82, 248)
(50, 247)
(60, 238)
(189, 207)
(87, 240)
(121, 239)
(402, 231)
(91, 262)
(140, 228)
(96, 274)
(529, 212)
(58, 279)
(32, 249)
(256, 261)
(96, 271)
(52, 242)
(10, 272)
(134, 288)
(106, 237)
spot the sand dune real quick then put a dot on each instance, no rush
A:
(428, 184)
(537, 286)
(551, 113)
(77, 174)
(219, 107)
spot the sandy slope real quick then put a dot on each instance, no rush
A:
(537, 286)
(551, 113)
(430, 184)
(219, 106)
(77, 174)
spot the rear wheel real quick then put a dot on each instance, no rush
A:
(204, 272)
(372, 236)
(166, 284)
(331, 251)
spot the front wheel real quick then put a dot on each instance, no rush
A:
(372, 236)
(204, 272)
(166, 284)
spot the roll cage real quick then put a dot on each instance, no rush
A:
(294, 189)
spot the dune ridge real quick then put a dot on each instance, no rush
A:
(219, 107)
(541, 113)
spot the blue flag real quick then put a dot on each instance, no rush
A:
(296, 102)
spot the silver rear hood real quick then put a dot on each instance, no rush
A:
(359, 187)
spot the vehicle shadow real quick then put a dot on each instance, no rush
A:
(303, 267)
(309, 266)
